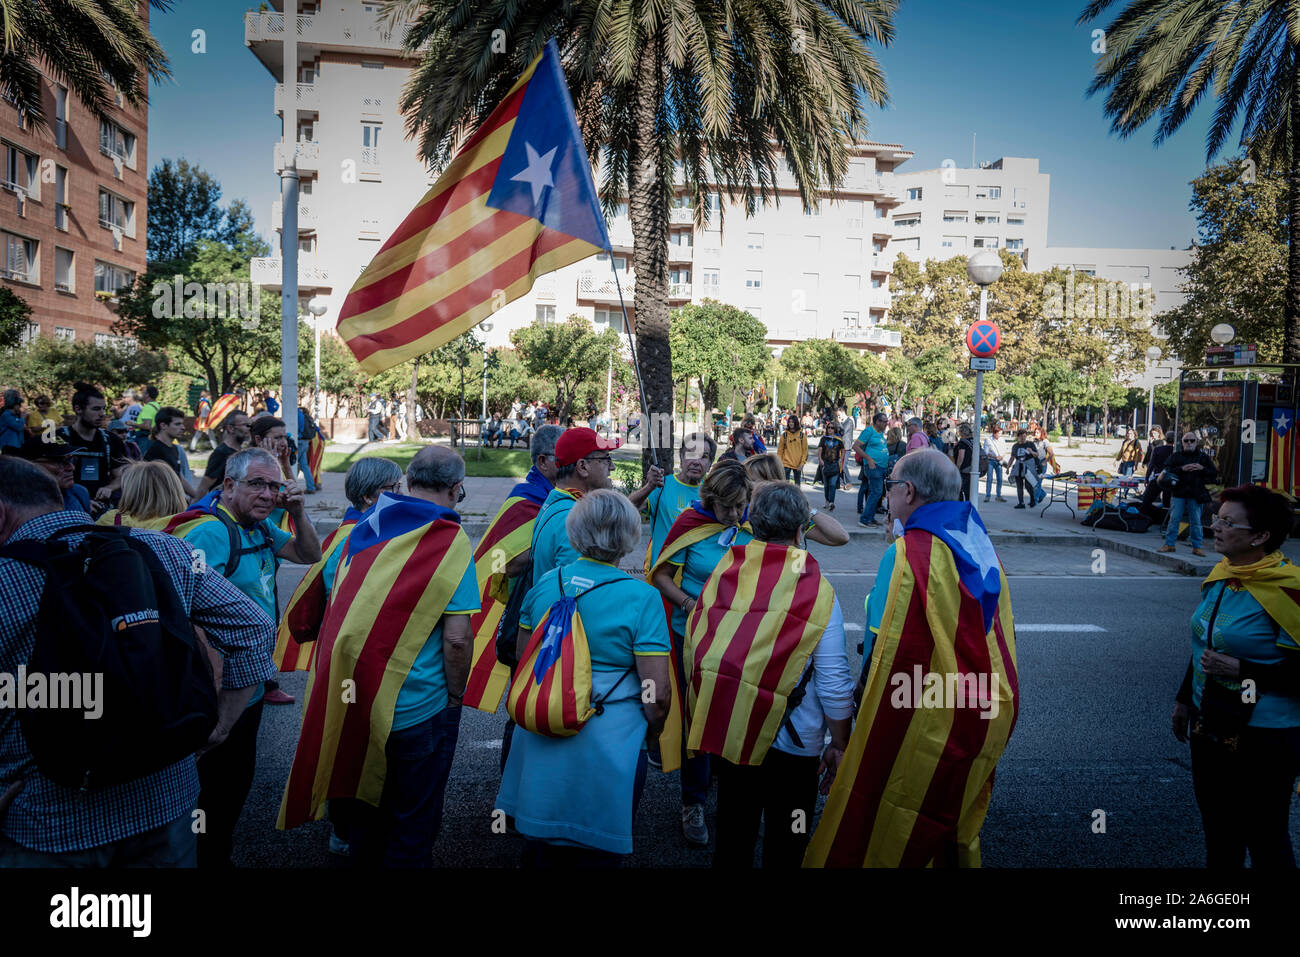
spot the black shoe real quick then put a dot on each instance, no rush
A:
(1021, 505)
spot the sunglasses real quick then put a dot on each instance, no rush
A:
(892, 483)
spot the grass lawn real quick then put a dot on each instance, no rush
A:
(496, 463)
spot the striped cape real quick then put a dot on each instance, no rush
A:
(400, 568)
(225, 404)
(695, 524)
(915, 782)
(760, 616)
(315, 456)
(508, 537)
(295, 640)
(1275, 585)
(201, 420)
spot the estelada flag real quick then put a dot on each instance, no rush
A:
(295, 639)
(401, 566)
(226, 403)
(516, 202)
(695, 524)
(1281, 452)
(758, 619)
(940, 703)
(315, 456)
(508, 537)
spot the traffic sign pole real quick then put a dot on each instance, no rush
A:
(977, 440)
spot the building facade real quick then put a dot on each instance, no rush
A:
(73, 212)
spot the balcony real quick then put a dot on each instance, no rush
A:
(307, 155)
(679, 290)
(369, 160)
(681, 216)
(306, 214)
(592, 288)
(354, 31)
(680, 254)
(871, 336)
(308, 98)
(268, 271)
(620, 234)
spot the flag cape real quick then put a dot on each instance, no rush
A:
(401, 566)
(695, 524)
(201, 420)
(295, 640)
(508, 537)
(1281, 476)
(224, 405)
(914, 785)
(760, 616)
(516, 202)
(315, 456)
(1275, 586)
(114, 516)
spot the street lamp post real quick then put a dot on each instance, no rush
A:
(1153, 356)
(486, 327)
(1222, 334)
(317, 308)
(983, 269)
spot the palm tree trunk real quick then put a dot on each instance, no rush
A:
(648, 211)
(1291, 308)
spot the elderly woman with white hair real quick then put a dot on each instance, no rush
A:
(573, 798)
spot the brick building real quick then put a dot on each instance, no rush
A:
(72, 212)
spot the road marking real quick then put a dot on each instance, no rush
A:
(1069, 628)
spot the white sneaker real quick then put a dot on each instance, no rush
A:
(693, 827)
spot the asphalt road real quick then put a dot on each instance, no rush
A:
(1093, 734)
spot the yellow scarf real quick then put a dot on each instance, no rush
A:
(1271, 583)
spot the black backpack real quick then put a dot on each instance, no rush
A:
(109, 609)
(309, 429)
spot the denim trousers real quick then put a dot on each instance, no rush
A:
(874, 481)
(308, 482)
(994, 466)
(1191, 510)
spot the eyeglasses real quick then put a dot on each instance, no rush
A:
(261, 485)
(1189, 441)
(599, 458)
(893, 483)
(395, 488)
(1219, 520)
(461, 496)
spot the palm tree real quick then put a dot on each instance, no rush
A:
(727, 90)
(84, 44)
(1162, 56)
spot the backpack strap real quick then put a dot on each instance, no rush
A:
(793, 702)
(237, 549)
(597, 703)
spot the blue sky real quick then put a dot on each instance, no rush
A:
(1014, 73)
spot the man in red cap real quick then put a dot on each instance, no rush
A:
(582, 463)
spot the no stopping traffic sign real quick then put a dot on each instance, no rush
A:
(983, 338)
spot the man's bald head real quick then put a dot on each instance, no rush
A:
(435, 469)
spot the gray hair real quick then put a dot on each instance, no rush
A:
(543, 442)
(435, 468)
(367, 476)
(932, 474)
(777, 512)
(916, 423)
(603, 525)
(237, 465)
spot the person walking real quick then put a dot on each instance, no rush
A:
(1025, 466)
(830, 453)
(201, 427)
(1187, 472)
(1157, 455)
(1130, 453)
(168, 424)
(1245, 747)
(12, 424)
(792, 449)
(992, 452)
(871, 445)
(964, 458)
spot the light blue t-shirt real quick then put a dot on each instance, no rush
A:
(424, 692)
(331, 568)
(1243, 629)
(255, 574)
(875, 603)
(551, 546)
(663, 506)
(698, 562)
(874, 444)
(621, 620)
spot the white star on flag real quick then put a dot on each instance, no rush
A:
(384, 502)
(977, 545)
(1281, 423)
(538, 172)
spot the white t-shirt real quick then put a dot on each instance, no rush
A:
(990, 447)
(829, 692)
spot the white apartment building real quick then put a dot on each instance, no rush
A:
(950, 212)
(817, 274)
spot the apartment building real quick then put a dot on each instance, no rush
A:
(950, 212)
(72, 212)
(805, 275)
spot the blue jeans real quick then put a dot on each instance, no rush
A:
(308, 482)
(1127, 468)
(994, 466)
(170, 845)
(402, 830)
(695, 771)
(876, 478)
(1178, 508)
(830, 482)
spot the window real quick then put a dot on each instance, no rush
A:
(305, 187)
(306, 246)
(880, 212)
(117, 143)
(682, 201)
(753, 240)
(22, 260)
(370, 144)
(985, 242)
(66, 333)
(61, 198)
(989, 219)
(955, 216)
(1015, 220)
(32, 331)
(371, 65)
(1020, 197)
(123, 343)
(679, 274)
(545, 314)
(912, 245)
(851, 320)
(711, 279)
(21, 171)
(715, 203)
(953, 242)
(65, 272)
(911, 219)
(306, 132)
(878, 246)
(954, 191)
(1089, 271)
(914, 192)
(620, 262)
(61, 117)
(988, 192)
(682, 238)
(620, 211)
(606, 319)
(1015, 244)
(877, 282)
(753, 279)
(109, 279)
(114, 211)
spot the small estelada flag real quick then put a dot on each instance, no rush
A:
(1281, 452)
(518, 201)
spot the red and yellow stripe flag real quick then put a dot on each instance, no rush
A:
(508, 537)
(1281, 476)
(226, 403)
(941, 700)
(315, 456)
(760, 616)
(399, 571)
(517, 201)
(295, 640)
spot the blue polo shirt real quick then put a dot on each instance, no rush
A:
(551, 546)
(874, 444)
(698, 562)
(662, 507)
(876, 598)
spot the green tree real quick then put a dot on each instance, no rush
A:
(14, 316)
(51, 366)
(720, 345)
(91, 46)
(738, 99)
(1162, 56)
(830, 370)
(184, 208)
(569, 354)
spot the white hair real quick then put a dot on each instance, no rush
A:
(603, 525)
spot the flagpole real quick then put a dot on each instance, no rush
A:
(636, 364)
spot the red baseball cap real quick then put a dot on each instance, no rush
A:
(575, 444)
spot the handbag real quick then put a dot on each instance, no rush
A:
(1223, 712)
